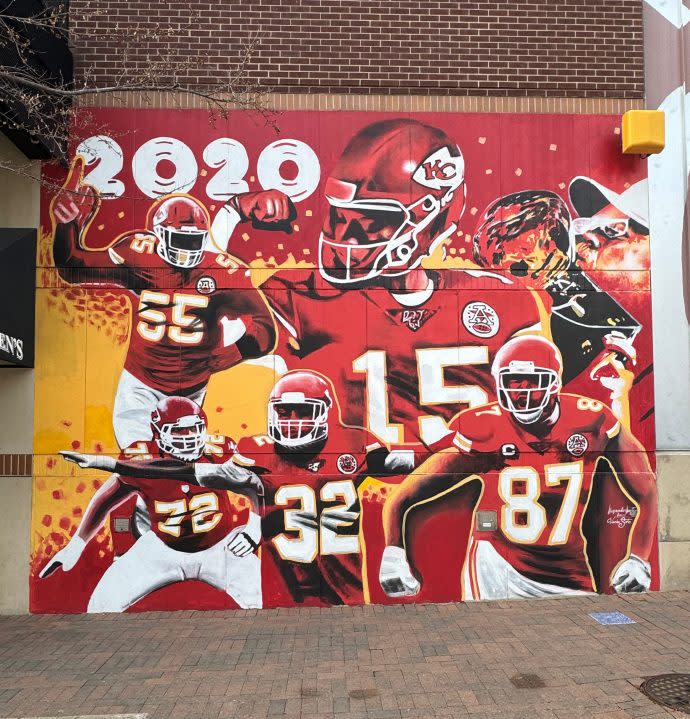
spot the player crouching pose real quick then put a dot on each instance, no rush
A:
(311, 466)
(535, 452)
(196, 532)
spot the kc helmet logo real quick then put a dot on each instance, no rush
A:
(441, 170)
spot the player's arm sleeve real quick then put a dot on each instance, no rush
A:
(79, 266)
(246, 329)
(106, 498)
(630, 463)
(272, 523)
(234, 477)
(223, 227)
(383, 461)
(439, 473)
(228, 475)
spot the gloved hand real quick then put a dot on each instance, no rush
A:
(633, 575)
(247, 539)
(66, 558)
(267, 207)
(90, 461)
(75, 200)
(612, 368)
(395, 574)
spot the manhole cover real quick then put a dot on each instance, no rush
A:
(527, 681)
(363, 693)
(669, 690)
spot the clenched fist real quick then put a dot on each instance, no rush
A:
(75, 201)
(265, 207)
(395, 574)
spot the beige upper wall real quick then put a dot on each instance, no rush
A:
(19, 188)
(17, 416)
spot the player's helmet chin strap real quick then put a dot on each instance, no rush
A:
(548, 384)
(188, 447)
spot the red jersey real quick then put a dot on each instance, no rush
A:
(188, 518)
(403, 364)
(539, 486)
(186, 323)
(323, 562)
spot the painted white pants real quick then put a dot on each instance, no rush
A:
(495, 578)
(134, 402)
(150, 564)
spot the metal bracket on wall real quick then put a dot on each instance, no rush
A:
(487, 521)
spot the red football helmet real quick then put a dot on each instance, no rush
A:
(528, 371)
(396, 192)
(298, 409)
(179, 428)
(181, 225)
(526, 234)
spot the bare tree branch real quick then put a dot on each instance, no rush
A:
(36, 100)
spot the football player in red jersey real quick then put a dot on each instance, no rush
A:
(529, 235)
(405, 346)
(535, 452)
(310, 465)
(194, 311)
(196, 532)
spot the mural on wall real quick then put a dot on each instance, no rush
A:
(377, 359)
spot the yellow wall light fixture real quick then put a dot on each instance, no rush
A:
(643, 132)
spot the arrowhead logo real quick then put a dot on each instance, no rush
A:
(412, 319)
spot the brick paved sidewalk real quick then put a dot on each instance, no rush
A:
(346, 663)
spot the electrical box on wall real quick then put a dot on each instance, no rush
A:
(643, 132)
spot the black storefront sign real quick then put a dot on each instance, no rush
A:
(17, 296)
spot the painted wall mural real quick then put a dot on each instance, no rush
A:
(370, 359)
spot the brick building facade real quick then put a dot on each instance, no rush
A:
(540, 48)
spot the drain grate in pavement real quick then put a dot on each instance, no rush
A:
(527, 681)
(669, 690)
(363, 693)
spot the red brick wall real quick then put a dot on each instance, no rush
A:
(584, 48)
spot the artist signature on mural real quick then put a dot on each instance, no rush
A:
(621, 516)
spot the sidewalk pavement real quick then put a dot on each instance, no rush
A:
(447, 660)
